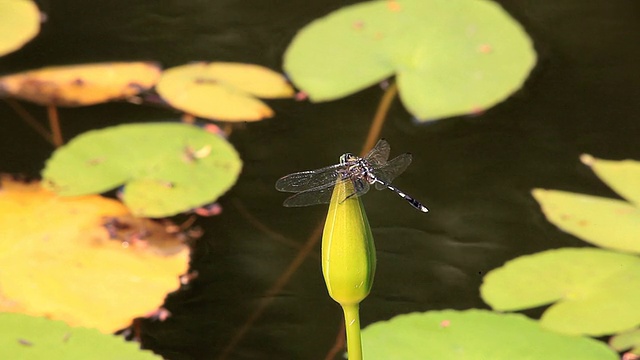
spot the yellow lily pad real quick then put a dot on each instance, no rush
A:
(19, 23)
(81, 85)
(64, 258)
(627, 340)
(223, 91)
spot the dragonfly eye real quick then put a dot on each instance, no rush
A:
(347, 158)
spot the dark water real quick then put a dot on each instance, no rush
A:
(474, 173)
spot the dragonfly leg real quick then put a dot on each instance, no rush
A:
(348, 197)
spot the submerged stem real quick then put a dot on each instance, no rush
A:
(29, 119)
(54, 124)
(379, 118)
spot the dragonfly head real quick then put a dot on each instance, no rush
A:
(346, 158)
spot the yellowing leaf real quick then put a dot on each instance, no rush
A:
(222, 91)
(59, 261)
(254, 79)
(80, 85)
(19, 23)
(627, 340)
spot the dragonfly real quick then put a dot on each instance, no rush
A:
(314, 187)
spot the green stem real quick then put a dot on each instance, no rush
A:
(352, 327)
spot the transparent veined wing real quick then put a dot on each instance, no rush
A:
(321, 195)
(379, 155)
(306, 180)
(392, 169)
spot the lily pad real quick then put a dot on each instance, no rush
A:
(605, 222)
(451, 57)
(627, 340)
(60, 261)
(223, 91)
(19, 23)
(622, 176)
(166, 168)
(473, 334)
(593, 291)
(81, 85)
(32, 338)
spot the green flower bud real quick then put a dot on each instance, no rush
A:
(348, 252)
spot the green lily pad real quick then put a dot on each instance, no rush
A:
(605, 222)
(34, 338)
(19, 23)
(451, 57)
(166, 168)
(595, 291)
(473, 334)
(622, 176)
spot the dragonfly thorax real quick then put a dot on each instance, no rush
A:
(355, 168)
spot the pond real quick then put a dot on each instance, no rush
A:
(260, 292)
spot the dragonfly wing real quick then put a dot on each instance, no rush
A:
(379, 155)
(392, 169)
(310, 197)
(322, 195)
(308, 180)
(380, 186)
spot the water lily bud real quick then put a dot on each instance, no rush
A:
(348, 252)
